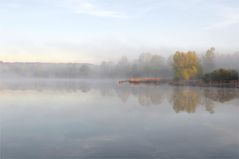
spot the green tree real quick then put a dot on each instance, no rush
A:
(221, 75)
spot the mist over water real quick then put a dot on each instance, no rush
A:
(119, 79)
(145, 65)
(103, 119)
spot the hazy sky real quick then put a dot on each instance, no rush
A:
(95, 30)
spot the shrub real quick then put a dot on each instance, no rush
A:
(221, 75)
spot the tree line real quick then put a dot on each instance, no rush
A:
(187, 65)
(180, 65)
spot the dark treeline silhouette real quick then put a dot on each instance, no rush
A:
(181, 65)
(221, 75)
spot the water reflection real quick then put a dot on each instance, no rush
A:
(146, 94)
(102, 119)
(221, 94)
(183, 99)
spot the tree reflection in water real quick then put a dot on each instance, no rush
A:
(183, 99)
(146, 94)
(221, 94)
(189, 98)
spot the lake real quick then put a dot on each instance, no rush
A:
(61, 119)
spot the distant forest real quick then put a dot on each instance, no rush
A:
(181, 65)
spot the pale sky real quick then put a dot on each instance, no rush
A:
(96, 30)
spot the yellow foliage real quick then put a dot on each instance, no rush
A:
(186, 65)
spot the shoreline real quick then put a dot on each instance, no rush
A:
(193, 83)
(200, 83)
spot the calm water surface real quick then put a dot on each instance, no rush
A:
(63, 119)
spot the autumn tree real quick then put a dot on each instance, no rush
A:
(186, 65)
